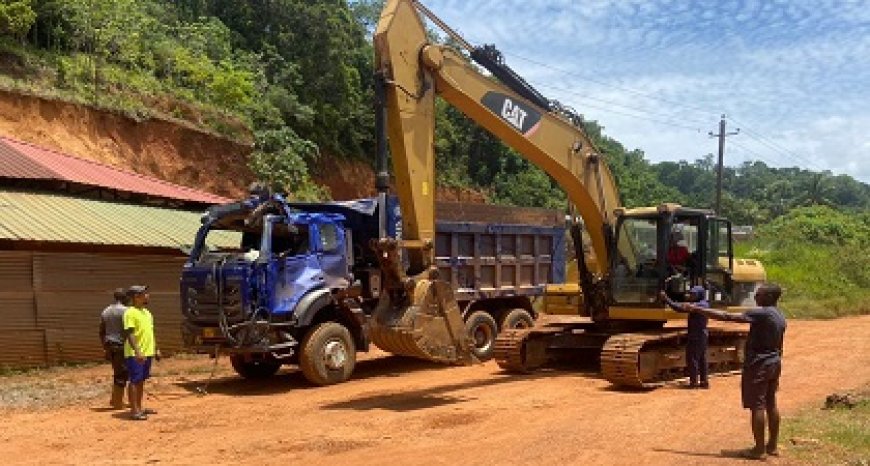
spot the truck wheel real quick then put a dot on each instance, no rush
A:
(255, 368)
(328, 354)
(516, 318)
(482, 329)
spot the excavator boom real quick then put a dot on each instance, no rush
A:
(418, 316)
(417, 70)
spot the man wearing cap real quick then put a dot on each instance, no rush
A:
(696, 346)
(762, 364)
(112, 338)
(140, 348)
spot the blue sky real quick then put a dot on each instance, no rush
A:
(794, 76)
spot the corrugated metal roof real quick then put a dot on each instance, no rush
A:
(27, 216)
(21, 160)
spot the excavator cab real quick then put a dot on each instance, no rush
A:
(670, 248)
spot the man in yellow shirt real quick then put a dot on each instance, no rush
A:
(139, 348)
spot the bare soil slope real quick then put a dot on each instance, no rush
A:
(400, 411)
(167, 150)
(156, 148)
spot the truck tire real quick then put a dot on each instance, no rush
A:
(256, 368)
(516, 318)
(328, 354)
(482, 330)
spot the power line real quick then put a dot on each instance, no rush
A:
(606, 84)
(610, 102)
(618, 112)
(776, 147)
(754, 153)
(603, 83)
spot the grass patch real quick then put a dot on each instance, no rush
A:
(819, 281)
(831, 436)
(135, 93)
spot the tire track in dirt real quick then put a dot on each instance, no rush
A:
(400, 411)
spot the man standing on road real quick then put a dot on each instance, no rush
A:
(139, 349)
(696, 346)
(112, 338)
(762, 364)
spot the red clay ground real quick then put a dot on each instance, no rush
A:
(399, 411)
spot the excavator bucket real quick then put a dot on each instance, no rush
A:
(419, 316)
(426, 325)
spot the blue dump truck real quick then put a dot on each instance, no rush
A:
(271, 282)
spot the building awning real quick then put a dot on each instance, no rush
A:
(54, 218)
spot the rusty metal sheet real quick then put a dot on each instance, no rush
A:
(17, 311)
(72, 320)
(102, 273)
(72, 346)
(16, 270)
(22, 348)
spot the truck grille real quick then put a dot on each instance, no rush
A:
(202, 303)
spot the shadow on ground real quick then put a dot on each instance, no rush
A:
(440, 395)
(292, 378)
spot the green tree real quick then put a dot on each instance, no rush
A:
(281, 160)
(16, 17)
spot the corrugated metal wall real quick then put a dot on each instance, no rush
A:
(50, 302)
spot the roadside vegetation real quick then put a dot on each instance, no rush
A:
(821, 256)
(835, 435)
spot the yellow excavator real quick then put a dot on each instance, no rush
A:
(623, 256)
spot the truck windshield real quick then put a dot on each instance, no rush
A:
(635, 271)
(219, 243)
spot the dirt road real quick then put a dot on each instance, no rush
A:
(399, 411)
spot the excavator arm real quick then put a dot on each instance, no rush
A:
(416, 70)
(412, 72)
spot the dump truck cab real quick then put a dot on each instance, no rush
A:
(260, 300)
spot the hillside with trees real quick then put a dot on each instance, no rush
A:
(292, 79)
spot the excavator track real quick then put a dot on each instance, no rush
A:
(634, 360)
(522, 350)
(646, 360)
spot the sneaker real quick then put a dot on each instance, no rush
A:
(140, 416)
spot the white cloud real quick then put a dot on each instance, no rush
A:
(795, 73)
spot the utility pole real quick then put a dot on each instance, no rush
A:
(722, 134)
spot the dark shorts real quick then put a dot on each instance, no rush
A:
(115, 355)
(759, 384)
(139, 371)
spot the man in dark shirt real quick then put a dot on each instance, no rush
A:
(696, 344)
(112, 338)
(762, 364)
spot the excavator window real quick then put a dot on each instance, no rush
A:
(636, 272)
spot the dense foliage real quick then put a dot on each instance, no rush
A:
(820, 256)
(293, 77)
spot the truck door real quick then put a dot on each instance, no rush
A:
(292, 266)
(329, 245)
